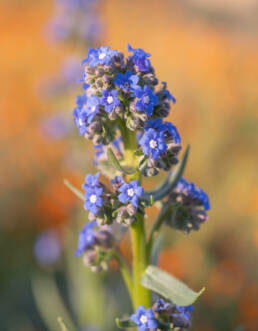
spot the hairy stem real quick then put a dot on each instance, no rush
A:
(141, 295)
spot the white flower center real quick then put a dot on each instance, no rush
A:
(81, 122)
(110, 99)
(143, 319)
(153, 143)
(146, 99)
(93, 198)
(130, 192)
(102, 56)
(88, 238)
(93, 108)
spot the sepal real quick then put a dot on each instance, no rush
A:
(125, 324)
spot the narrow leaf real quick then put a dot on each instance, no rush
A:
(169, 287)
(170, 182)
(125, 323)
(115, 163)
(77, 192)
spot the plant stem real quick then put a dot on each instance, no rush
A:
(141, 295)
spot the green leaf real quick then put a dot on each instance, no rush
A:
(170, 182)
(115, 163)
(61, 323)
(169, 287)
(125, 323)
(77, 192)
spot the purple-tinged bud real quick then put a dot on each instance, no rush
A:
(112, 115)
(90, 257)
(131, 209)
(104, 239)
(150, 79)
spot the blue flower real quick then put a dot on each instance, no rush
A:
(47, 247)
(92, 107)
(91, 180)
(168, 95)
(93, 193)
(144, 319)
(161, 305)
(130, 192)
(195, 192)
(127, 82)
(146, 100)
(161, 126)
(153, 143)
(79, 113)
(86, 237)
(102, 55)
(181, 317)
(109, 100)
(172, 130)
(140, 58)
(93, 199)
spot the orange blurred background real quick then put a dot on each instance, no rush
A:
(207, 52)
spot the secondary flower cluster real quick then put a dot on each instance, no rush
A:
(162, 316)
(94, 245)
(76, 19)
(120, 94)
(120, 205)
(189, 206)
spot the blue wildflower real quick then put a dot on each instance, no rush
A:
(92, 107)
(161, 306)
(93, 193)
(181, 317)
(161, 126)
(146, 100)
(167, 94)
(144, 319)
(102, 55)
(109, 100)
(47, 247)
(93, 199)
(130, 192)
(140, 58)
(190, 190)
(127, 82)
(153, 143)
(91, 180)
(79, 113)
(86, 237)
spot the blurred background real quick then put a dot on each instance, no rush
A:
(207, 52)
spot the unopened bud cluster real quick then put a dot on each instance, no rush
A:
(189, 206)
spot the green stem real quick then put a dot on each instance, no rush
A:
(141, 295)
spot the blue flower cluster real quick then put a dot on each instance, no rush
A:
(77, 19)
(162, 315)
(120, 205)
(190, 206)
(121, 92)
